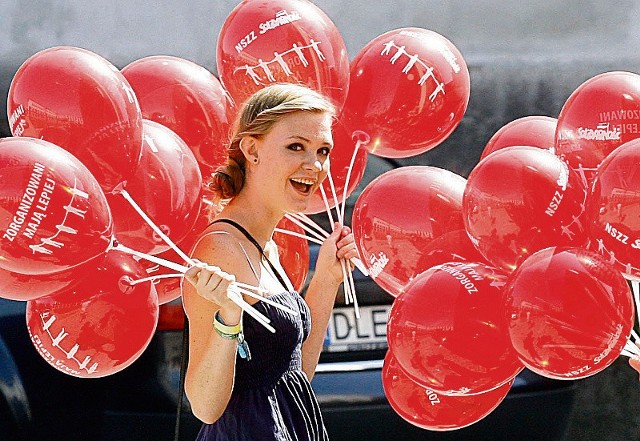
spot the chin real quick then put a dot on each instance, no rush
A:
(297, 206)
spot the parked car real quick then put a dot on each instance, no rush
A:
(140, 403)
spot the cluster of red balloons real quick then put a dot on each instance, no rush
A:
(460, 255)
(525, 263)
(522, 264)
(84, 132)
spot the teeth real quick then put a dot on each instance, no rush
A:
(304, 181)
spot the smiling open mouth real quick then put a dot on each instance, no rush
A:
(302, 185)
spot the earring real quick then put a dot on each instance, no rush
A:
(255, 160)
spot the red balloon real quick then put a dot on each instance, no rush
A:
(76, 99)
(170, 288)
(293, 253)
(167, 288)
(281, 41)
(448, 330)
(430, 410)
(600, 115)
(612, 206)
(519, 200)
(451, 246)
(399, 214)
(570, 313)
(167, 186)
(408, 90)
(344, 147)
(101, 326)
(53, 213)
(23, 287)
(533, 131)
(210, 207)
(189, 100)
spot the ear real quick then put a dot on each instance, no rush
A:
(249, 148)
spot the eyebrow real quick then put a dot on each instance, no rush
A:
(308, 140)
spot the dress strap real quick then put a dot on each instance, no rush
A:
(257, 245)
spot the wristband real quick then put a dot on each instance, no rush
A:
(232, 333)
(229, 332)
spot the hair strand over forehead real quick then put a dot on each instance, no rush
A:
(264, 108)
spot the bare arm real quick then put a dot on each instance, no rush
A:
(320, 297)
(211, 369)
(322, 291)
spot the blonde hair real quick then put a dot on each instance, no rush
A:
(257, 116)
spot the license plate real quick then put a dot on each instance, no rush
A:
(347, 333)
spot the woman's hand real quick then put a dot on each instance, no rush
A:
(634, 362)
(339, 245)
(212, 284)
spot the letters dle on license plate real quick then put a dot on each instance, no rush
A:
(347, 333)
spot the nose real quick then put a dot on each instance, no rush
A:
(312, 163)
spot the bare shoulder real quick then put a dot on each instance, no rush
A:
(220, 246)
(217, 246)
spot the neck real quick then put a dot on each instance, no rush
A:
(258, 219)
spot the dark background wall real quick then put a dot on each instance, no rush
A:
(525, 58)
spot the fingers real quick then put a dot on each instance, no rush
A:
(347, 251)
(196, 274)
(342, 238)
(192, 275)
(343, 230)
(346, 246)
(336, 233)
(210, 281)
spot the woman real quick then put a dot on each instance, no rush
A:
(278, 156)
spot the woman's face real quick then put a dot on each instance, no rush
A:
(294, 158)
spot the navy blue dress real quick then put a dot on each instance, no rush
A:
(272, 399)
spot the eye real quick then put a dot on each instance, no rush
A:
(296, 147)
(324, 151)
